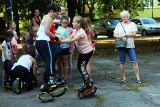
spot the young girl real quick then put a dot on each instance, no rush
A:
(11, 27)
(27, 43)
(6, 56)
(90, 37)
(84, 47)
(64, 30)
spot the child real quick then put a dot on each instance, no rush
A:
(90, 37)
(25, 68)
(64, 30)
(85, 49)
(6, 56)
(72, 47)
(27, 43)
(11, 27)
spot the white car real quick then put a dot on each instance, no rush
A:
(146, 26)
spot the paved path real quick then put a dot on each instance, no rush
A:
(111, 92)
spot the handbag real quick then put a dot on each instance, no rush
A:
(119, 43)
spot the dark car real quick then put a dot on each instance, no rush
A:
(105, 27)
(2, 29)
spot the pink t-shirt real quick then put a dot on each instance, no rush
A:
(83, 45)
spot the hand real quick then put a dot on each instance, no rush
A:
(94, 49)
(120, 36)
(124, 38)
(56, 38)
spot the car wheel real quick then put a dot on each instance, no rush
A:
(109, 34)
(144, 33)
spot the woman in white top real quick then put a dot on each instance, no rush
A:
(44, 43)
(25, 69)
(127, 34)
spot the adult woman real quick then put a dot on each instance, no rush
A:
(84, 47)
(44, 42)
(35, 19)
(130, 29)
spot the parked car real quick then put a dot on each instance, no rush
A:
(146, 26)
(105, 27)
(2, 29)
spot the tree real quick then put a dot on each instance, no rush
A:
(71, 5)
(133, 6)
(90, 5)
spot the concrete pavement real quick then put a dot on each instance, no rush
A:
(111, 92)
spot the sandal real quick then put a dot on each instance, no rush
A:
(139, 82)
(124, 81)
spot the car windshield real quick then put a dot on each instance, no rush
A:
(149, 21)
(112, 22)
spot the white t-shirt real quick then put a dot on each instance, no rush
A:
(7, 46)
(24, 61)
(83, 44)
(131, 27)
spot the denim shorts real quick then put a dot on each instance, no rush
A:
(131, 53)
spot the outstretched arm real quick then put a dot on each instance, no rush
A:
(70, 39)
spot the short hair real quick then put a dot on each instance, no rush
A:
(31, 51)
(54, 7)
(124, 13)
(9, 23)
(63, 8)
(64, 18)
(8, 34)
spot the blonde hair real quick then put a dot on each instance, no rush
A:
(124, 13)
(80, 20)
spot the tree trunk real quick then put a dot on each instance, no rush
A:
(17, 18)
(126, 6)
(71, 4)
(83, 8)
(79, 7)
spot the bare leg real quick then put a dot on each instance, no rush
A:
(70, 65)
(89, 68)
(64, 59)
(136, 70)
(122, 69)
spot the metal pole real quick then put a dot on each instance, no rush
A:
(11, 10)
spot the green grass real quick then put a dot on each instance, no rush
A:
(132, 87)
(145, 83)
(114, 74)
(100, 100)
(71, 87)
(136, 87)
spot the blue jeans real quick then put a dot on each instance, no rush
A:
(131, 53)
